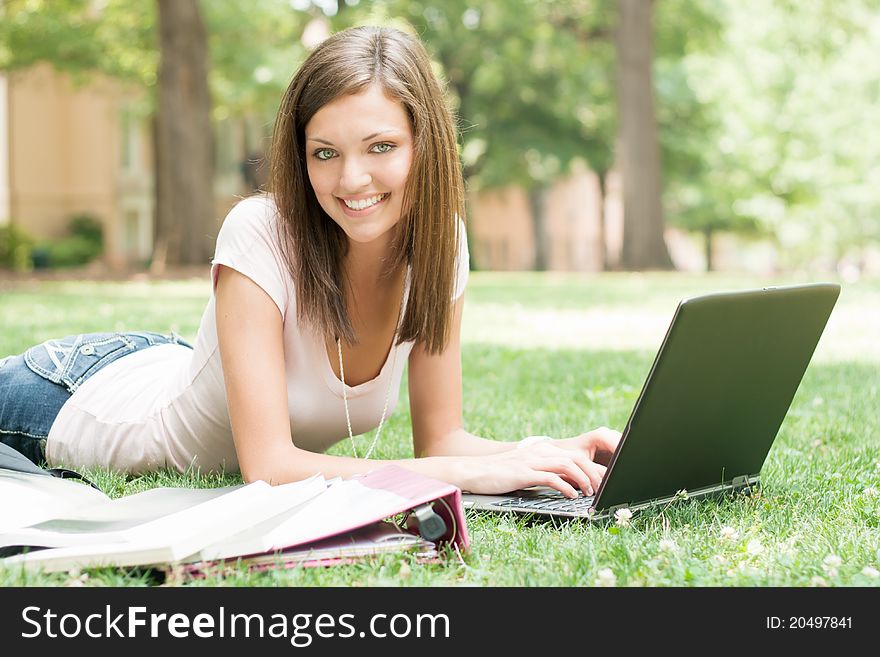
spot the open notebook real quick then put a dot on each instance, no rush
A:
(61, 524)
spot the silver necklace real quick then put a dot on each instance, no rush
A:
(387, 392)
(345, 398)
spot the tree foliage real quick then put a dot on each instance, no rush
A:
(78, 37)
(793, 91)
(529, 79)
(766, 111)
(254, 46)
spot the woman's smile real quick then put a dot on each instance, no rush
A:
(362, 206)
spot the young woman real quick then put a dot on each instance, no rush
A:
(352, 266)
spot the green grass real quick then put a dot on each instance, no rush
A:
(558, 354)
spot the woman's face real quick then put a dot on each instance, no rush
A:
(359, 149)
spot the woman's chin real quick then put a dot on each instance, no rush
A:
(366, 233)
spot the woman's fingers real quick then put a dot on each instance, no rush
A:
(575, 468)
(546, 464)
(581, 470)
(604, 442)
(594, 472)
(572, 472)
(555, 481)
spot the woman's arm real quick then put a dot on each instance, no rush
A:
(435, 402)
(250, 335)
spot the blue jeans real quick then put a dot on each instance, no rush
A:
(34, 385)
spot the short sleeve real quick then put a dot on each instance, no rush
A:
(248, 243)
(462, 262)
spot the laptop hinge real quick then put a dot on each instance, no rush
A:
(741, 483)
(611, 510)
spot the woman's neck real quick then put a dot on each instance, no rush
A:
(365, 264)
(373, 294)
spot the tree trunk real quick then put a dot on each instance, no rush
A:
(538, 204)
(707, 233)
(643, 243)
(185, 222)
(603, 228)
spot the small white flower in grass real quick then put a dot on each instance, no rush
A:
(870, 571)
(818, 581)
(76, 577)
(754, 547)
(622, 517)
(830, 564)
(816, 443)
(787, 547)
(729, 534)
(870, 491)
(606, 577)
(667, 545)
(832, 561)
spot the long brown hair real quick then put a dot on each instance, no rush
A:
(426, 238)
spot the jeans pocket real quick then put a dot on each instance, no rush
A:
(71, 360)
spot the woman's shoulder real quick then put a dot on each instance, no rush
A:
(251, 221)
(248, 242)
(258, 207)
(249, 218)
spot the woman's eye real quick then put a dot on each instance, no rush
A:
(382, 148)
(324, 153)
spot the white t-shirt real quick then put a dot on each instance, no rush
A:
(166, 406)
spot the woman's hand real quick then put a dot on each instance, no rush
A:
(598, 444)
(566, 465)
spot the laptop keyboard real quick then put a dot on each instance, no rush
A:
(548, 503)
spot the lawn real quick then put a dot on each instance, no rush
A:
(558, 354)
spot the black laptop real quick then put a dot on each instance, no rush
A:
(711, 407)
